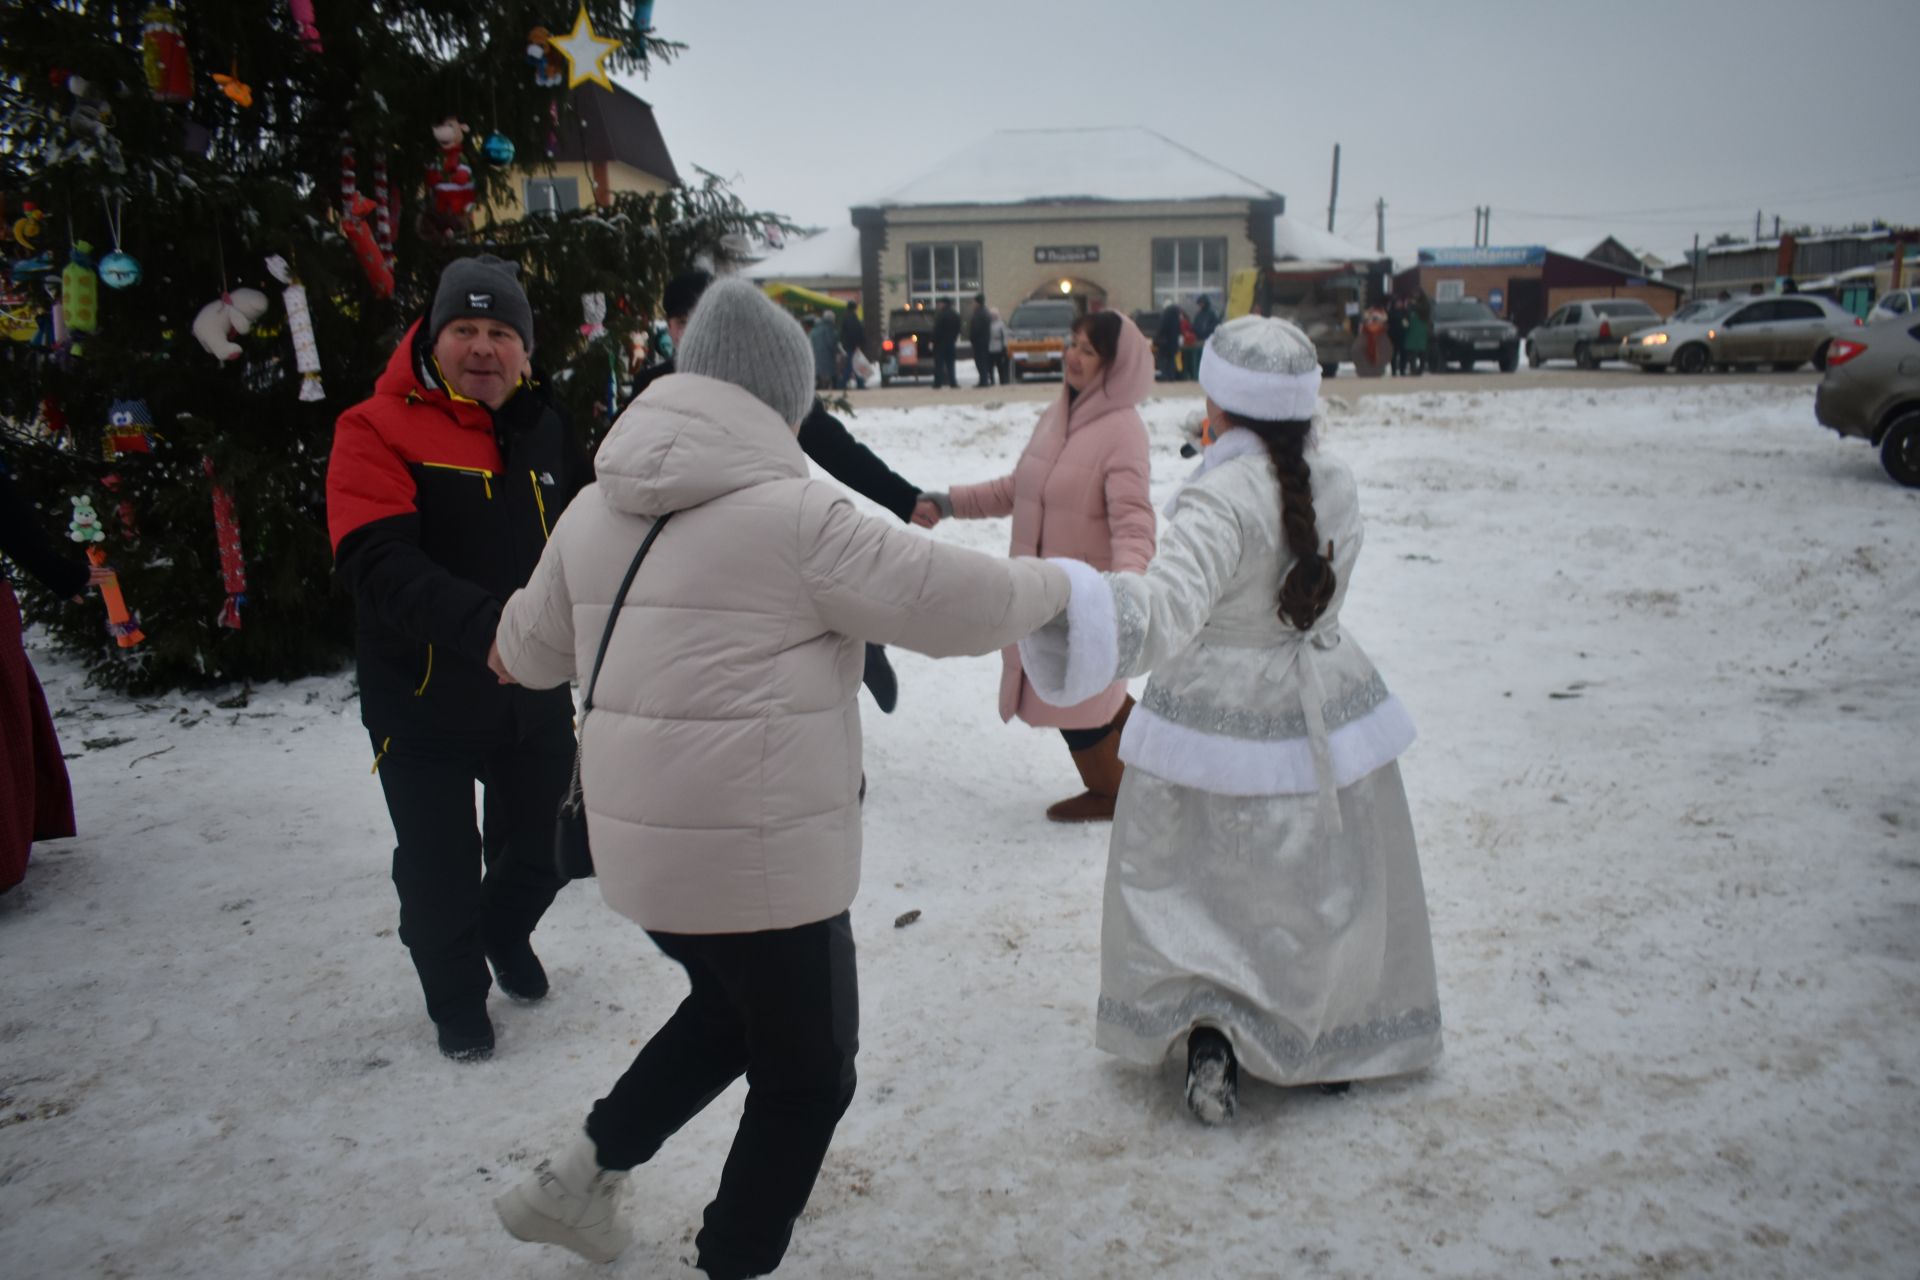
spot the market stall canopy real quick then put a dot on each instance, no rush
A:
(802, 301)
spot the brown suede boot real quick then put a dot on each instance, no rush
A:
(1101, 770)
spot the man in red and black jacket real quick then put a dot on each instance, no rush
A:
(441, 491)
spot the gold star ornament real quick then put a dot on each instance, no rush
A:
(586, 52)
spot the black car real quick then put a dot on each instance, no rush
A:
(1467, 331)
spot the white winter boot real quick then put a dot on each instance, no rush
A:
(572, 1202)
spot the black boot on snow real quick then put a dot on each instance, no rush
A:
(519, 973)
(467, 1037)
(1213, 1077)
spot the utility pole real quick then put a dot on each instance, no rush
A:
(1756, 226)
(1333, 197)
(1776, 226)
(1486, 226)
(1380, 225)
(1476, 226)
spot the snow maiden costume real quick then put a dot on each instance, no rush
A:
(1263, 878)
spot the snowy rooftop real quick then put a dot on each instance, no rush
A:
(833, 252)
(1294, 240)
(1029, 166)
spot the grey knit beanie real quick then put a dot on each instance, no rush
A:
(740, 335)
(484, 286)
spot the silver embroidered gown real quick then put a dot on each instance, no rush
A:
(1263, 877)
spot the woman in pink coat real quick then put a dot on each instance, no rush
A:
(1080, 491)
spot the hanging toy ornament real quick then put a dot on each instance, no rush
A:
(353, 225)
(383, 218)
(85, 529)
(28, 226)
(450, 192)
(233, 567)
(163, 48)
(593, 312)
(586, 52)
(225, 318)
(498, 149)
(234, 87)
(306, 352)
(642, 28)
(129, 429)
(80, 290)
(118, 269)
(549, 68)
(88, 122)
(309, 30)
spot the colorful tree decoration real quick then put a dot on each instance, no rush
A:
(129, 429)
(498, 149)
(163, 49)
(586, 52)
(359, 235)
(233, 566)
(450, 193)
(80, 290)
(306, 350)
(309, 30)
(549, 67)
(227, 317)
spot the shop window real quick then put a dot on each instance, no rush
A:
(1449, 290)
(936, 271)
(552, 195)
(1185, 269)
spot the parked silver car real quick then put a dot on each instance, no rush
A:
(1872, 391)
(1897, 304)
(1782, 330)
(1589, 332)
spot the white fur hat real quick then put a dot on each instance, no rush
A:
(1262, 368)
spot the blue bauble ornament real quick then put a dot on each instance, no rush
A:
(119, 270)
(498, 149)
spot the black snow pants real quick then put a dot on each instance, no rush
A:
(459, 898)
(783, 1008)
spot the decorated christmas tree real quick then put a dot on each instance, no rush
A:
(221, 216)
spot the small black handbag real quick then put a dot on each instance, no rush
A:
(572, 857)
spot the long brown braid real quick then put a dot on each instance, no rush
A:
(1308, 588)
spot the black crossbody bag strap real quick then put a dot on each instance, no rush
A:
(619, 602)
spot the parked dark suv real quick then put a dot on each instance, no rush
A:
(1466, 331)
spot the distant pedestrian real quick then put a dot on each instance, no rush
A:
(1205, 319)
(997, 344)
(1416, 340)
(1397, 334)
(853, 341)
(980, 338)
(1166, 343)
(825, 337)
(946, 336)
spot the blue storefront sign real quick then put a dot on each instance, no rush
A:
(1496, 298)
(1531, 255)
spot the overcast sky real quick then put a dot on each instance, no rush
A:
(1649, 121)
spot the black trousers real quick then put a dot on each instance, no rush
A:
(945, 367)
(458, 895)
(983, 366)
(782, 1007)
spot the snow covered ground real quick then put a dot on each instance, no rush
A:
(1662, 644)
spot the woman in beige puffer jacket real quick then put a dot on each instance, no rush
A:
(722, 756)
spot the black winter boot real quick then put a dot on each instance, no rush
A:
(519, 973)
(467, 1036)
(1213, 1077)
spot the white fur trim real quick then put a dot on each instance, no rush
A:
(1270, 397)
(1240, 767)
(1069, 665)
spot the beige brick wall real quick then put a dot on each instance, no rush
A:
(1008, 236)
(1476, 280)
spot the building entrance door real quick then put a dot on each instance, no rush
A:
(1526, 303)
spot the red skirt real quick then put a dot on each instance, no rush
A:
(36, 802)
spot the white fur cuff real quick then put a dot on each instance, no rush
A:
(1069, 665)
